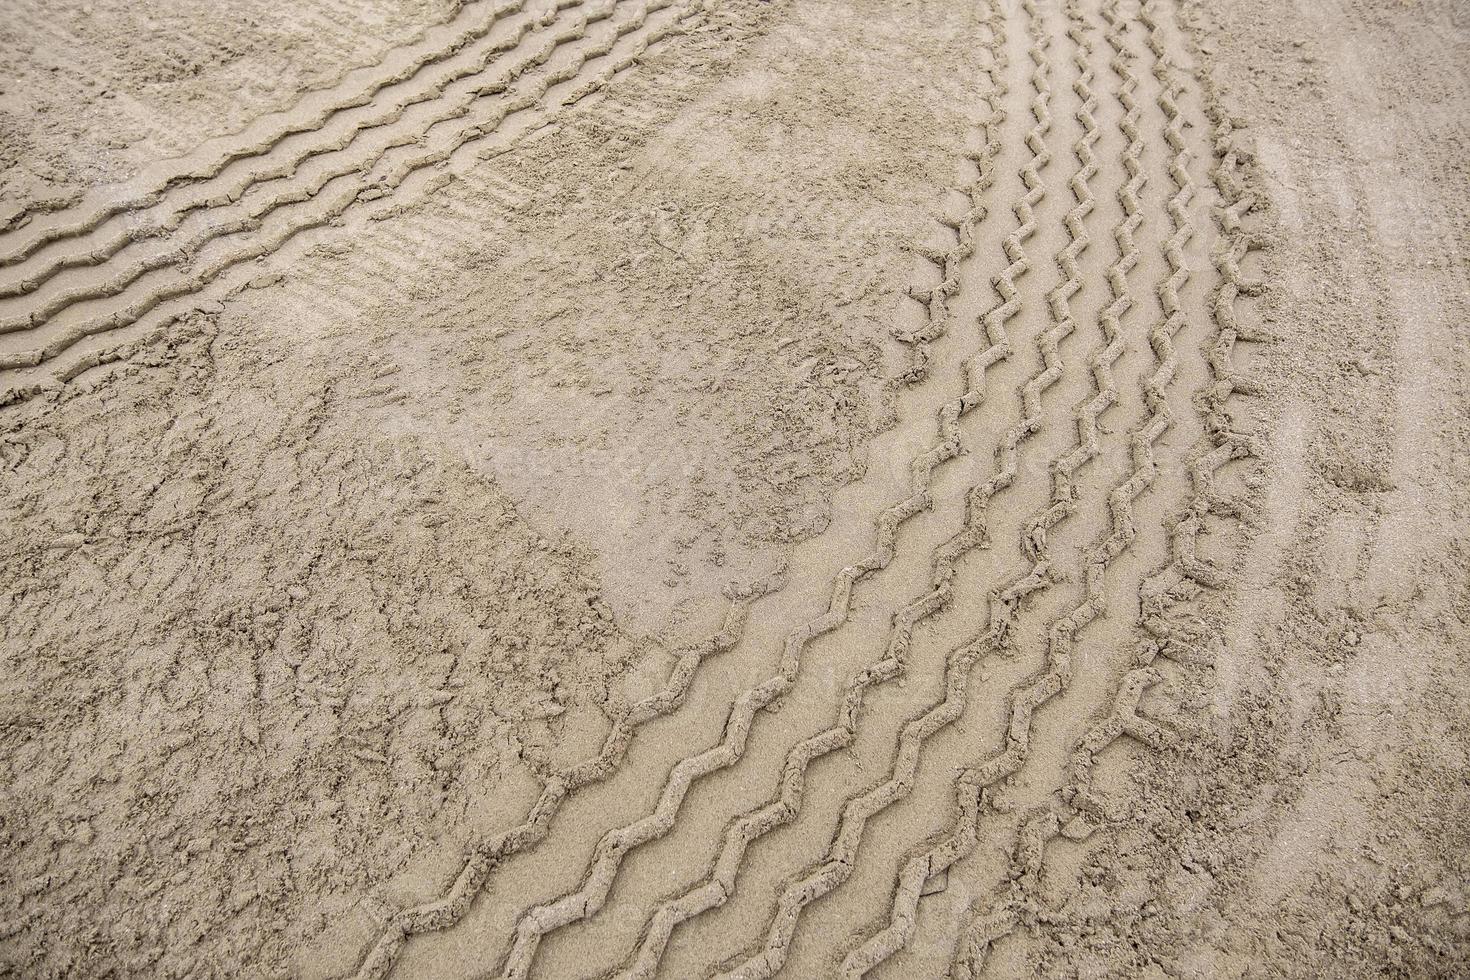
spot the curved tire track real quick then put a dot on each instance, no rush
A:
(255, 217)
(175, 210)
(615, 845)
(524, 95)
(1063, 634)
(448, 908)
(856, 812)
(98, 214)
(720, 882)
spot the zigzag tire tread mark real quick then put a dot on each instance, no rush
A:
(1235, 182)
(589, 898)
(178, 210)
(207, 171)
(1172, 633)
(1034, 692)
(484, 855)
(256, 217)
(843, 851)
(896, 933)
(719, 884)
(340, 203)
(935, 298)
(1062, 636)
(66, 200)
(446, 910)
(1221, 443)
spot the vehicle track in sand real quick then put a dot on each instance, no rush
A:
(1101, 496)
(832, 872)
(548, 59)
(611, 851)
(1162, 606)
(209, 162)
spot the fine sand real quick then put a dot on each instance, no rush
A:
(591, 488)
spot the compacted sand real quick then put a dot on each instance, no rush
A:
(589, 488)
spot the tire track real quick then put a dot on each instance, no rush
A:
(1171, 635)
(843, 852)
(1120, 718)
(103, 212)
(447, 909)
(981, 931)
(524, 95)
(253, 220)
(616, 844)
(1235, 185)
(1019, 893)
(549, 800)
(1062, 635)
(206, 198)
(720, 883)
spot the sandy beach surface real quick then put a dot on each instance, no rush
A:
(690, 488)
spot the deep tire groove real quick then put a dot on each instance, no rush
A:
(1172, 633)
(1235, 183)
(895, 934)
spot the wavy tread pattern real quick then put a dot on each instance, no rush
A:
(175, 208)
(843, 852)
(1062, 635)
(95, 216)
(77, 199)
(1222, 442)
(256, 216)
(484, 855)
(524, 95)
(615, 845)
(719, 884)
(1173, 632)
(935, 298)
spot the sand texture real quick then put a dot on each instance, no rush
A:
(692, 488)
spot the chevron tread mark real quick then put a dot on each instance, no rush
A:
(184, 197)
(524, 95)
(291, 123)
(843, 851)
